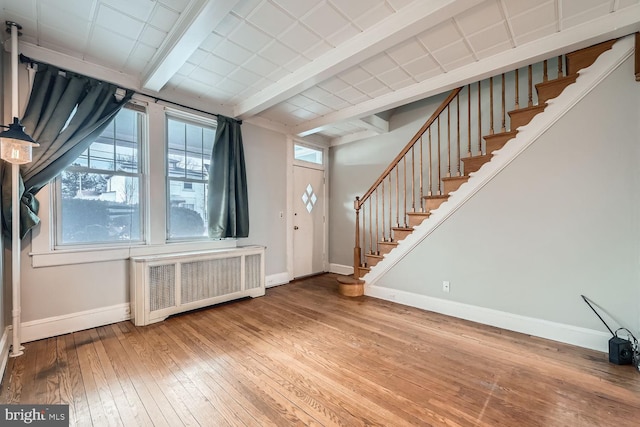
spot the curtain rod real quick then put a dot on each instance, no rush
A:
(156, 99)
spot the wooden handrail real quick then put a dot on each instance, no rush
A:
(406, 149)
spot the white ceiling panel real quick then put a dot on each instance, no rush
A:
(379, 64)
(249, 37)
(572, 15)
(75, 8)
(530, 22)
(477, 18)
(297, 8)
(113, 48)
(139, 9)
(152, 36)
(270, 19)
(422, 66)
(441, 36)
(128, 27)
(299, 38)
(517, 7)
(308, 65)
(453, 55)
(495, 35)
(163, 18)
(325, 21)
(407, 51)
(373, 15)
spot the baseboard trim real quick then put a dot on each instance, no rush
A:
(347, 270)
(4, 350)
(276, 279)
(59, 325)
(568, 334)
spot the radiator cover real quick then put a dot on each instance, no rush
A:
(162, 285)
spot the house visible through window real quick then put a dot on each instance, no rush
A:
(99, 194)
(189, 154)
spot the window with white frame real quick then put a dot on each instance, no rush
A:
(189, 146)
(99, 195)
(307, 154)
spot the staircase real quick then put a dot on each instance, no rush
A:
(459, 138)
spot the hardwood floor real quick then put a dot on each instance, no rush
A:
(304, 355)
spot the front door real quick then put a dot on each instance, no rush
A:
(308, 221)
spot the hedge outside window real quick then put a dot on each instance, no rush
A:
(189, 148)
(98, 196)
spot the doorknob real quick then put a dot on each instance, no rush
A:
(295, 227)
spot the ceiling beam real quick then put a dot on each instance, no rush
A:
(193, 27)
(406, 23)
(375, 123)
(613, 25)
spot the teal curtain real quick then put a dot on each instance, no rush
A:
(54, 98)
(227, 204)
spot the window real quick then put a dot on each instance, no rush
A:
(189, 154)
(98, 196)
(307, 154)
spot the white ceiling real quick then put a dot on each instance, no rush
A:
(308, 66)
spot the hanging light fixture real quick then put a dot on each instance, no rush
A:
(15, 148)
(15, 144)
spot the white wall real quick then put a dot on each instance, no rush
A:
(561, 220)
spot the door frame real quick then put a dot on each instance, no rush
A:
(291, 162)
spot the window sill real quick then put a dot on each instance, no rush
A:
(104, 254)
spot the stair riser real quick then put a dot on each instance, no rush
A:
(400, 234)
(553, 88)
(452, 185)
(372, 261)
(472, 164)
(385, 248)
(523, 117)
(585, 57)
(497, 141)
(415, 220)
(433, 204)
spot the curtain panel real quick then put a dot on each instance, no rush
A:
(66, 112)
(227, 201)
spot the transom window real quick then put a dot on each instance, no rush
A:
(189, 147)
(307, 154)
(99, 194)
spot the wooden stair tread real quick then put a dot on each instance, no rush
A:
(402, 228)
(435, 197)
(388, 243)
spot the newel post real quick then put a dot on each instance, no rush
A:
(356, 249)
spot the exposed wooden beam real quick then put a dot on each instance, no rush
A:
(406, 23)
(193, 27)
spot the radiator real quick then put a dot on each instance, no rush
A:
(162, 285)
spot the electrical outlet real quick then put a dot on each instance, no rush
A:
(445, 286)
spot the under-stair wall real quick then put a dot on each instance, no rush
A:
(561, 220)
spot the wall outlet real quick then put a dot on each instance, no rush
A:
(445, 286)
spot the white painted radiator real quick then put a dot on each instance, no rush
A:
(162, 285)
